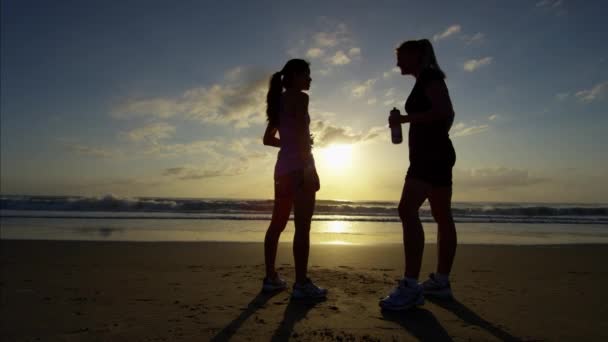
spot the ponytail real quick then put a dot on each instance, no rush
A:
(273, 99)
(278, 81)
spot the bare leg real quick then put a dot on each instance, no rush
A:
(414, 194)
(280, 216)
(304, 204)
(440, 199)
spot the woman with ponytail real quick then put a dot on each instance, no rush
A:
(432, 157)
(295, 177)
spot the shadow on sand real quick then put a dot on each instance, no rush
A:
(260, 300)
(470, 317)
(294, 312)
(420, 323)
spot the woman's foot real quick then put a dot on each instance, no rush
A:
(406, 295)
(438, 287)
(274, 284)
(308, 290)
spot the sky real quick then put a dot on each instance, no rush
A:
(167, 98)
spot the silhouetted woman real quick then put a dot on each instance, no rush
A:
(295, 177)
(432, 156)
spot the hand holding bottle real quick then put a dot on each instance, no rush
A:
(394, 121)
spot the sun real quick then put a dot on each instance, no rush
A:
(337, 157)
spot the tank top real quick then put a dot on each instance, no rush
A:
(428, 142)
(288, 159)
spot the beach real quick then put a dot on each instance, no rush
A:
(198, 291)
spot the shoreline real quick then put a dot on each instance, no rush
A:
(375, 244)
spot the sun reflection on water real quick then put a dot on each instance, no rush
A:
(338, 227)
(336, 242)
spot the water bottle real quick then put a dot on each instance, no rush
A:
(396, 133)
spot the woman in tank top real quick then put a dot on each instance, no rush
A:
(295, 177)
(432, 157)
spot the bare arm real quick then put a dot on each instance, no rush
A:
(441, 108)
(301, 112)
(270, 138)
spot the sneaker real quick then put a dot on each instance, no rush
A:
(403, 297)
(308, 290)
(435, 288)
(274, 284)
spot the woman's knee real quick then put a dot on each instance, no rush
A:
(276, 227)
(302, 226)
(443, 217)
(407, 212)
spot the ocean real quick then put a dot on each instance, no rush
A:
(111, 218)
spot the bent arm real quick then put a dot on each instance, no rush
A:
(270, 138)
(301, 113)
(441, 105)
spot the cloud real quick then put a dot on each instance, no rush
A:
(339, 58)
(196, 173)
(555, 6)
(240, 145)
(493, 117)
(325, 133)
(150, 141)
(392, 102)
(174, 171)
(362, 89)
(239, 101)
(372, 101)
(562, 96)
(473, 64)
(314, 53)
(477, 37)
(596, 93)
(152, 132)
(388, 74)
(97, 152)
(462, 130)
(334, 46)
(159, 150)
(332, 38)
(495, 178)
(354, 52)
(549, 3)
(454, 29)
(390, 98)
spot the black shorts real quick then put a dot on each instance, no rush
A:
(433, 164)
(436, 175)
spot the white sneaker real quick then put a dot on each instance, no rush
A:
(275, 284)
(308, 290)
(403, 297)
(435, 288)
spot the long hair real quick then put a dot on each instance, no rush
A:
(426, 52)
(278, 81)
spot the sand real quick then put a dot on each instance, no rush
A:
(199, 291)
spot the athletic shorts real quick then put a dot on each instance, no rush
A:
(436, 175)
(296, 181)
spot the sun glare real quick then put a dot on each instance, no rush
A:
(337, 157)
(337, 227)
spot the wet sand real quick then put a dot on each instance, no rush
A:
(199, 291)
